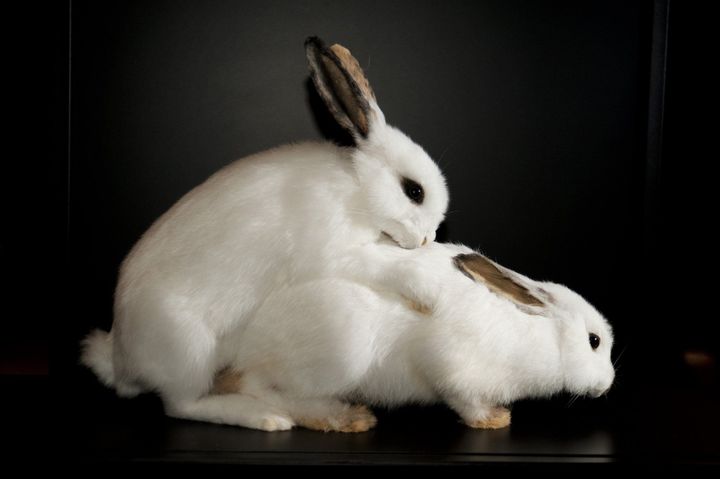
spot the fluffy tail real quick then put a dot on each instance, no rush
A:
(97, 352)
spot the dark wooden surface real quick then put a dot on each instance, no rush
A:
(673, 424)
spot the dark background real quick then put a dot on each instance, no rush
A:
(573, 151)
(536, 115)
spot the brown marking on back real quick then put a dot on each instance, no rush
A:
(227, 381)
(420, 308)
(478, 268)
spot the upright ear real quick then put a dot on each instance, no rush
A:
(343, 86)
(500, 281)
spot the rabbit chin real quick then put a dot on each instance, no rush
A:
(406, 239)
(596, 387)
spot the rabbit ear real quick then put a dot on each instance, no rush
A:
(500, 281)
(343, 86)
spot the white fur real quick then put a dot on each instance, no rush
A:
(334, 339)
(313, 345)
(97, 351)
(280, 217)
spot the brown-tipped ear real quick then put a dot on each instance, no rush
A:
(478, 268)
(343, 86)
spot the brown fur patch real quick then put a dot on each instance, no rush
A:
(420, 308)
(227, 381)
(478, 268)
(354, 419)
(498, 418)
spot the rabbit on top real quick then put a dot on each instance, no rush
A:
(282, 216)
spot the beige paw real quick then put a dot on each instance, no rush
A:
(498, 418)
(353, 419)
(276, 423)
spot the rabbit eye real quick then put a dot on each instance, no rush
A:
(413, 190)
(594, 340)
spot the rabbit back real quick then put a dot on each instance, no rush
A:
(205, 265)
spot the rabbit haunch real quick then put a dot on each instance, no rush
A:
(276, 218)
(329, 342)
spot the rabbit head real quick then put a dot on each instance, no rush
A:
(581, 337)
(404, 191)
(586, 341)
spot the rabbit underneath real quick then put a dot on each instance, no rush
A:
(277, 218)
(317, 353)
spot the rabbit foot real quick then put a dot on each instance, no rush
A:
(497, 418)
(351, 419)
(276, 423)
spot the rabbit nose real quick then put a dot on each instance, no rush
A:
(424, 242)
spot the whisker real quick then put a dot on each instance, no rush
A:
(440, 162)
(619, 356)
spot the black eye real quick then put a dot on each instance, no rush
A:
(413, 190)
(594, 340)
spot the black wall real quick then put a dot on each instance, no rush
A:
(536, 114)
(536, 111)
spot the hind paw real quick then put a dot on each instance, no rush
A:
(497, 418)
(352, 419)
(276, 423)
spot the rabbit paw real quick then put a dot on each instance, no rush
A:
(276, 423)
(497, 418)
(352, 419)
(421, 294)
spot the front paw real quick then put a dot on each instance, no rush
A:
(275, 422)
(496, 418)
(420, 293)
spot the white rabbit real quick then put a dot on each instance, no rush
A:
(314, 348)
(279, 217)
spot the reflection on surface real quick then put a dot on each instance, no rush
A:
(426, 430)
